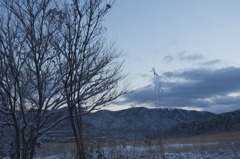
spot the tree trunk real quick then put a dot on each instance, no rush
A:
(78, 136)
(81, 140)
(32, 149)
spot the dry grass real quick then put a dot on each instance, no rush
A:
(198, 143)
(206, 144)
(57, 148)
(222, 137)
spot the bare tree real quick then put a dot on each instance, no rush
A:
(30, 90)
(87, 64)
(53, 55)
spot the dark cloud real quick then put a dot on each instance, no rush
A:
(200, 88)
(227, 100)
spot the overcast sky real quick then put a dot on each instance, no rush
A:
(194, 45)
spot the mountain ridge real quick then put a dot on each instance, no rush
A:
(141, 123)
(138, 122)
(225, 122)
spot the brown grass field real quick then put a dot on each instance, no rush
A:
(202, 142)
(222, 137)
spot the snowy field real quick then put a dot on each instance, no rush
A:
(168, 151)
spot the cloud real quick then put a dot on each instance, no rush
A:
(143, 75)
(183, 56)
(212, 62)
(215, 90)
(168, 58)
